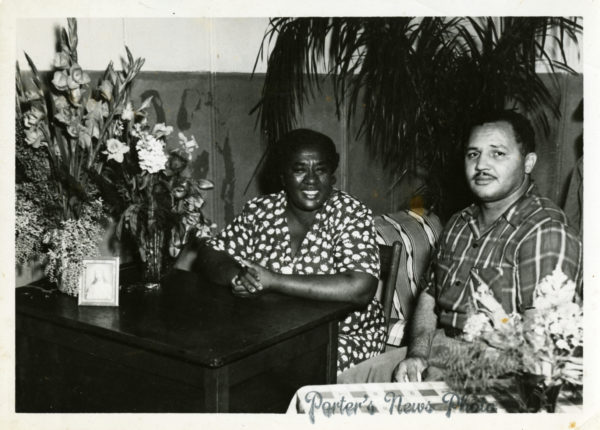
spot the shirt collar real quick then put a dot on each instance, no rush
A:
(513, 215)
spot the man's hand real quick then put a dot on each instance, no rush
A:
(410, 369)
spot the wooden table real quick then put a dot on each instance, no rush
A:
(189, 346)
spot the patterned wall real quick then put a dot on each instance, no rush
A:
(215, 109)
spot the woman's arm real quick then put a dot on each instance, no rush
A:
(220, 267)
(350, 286)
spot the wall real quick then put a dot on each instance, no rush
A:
(167, 44)
(214, 107)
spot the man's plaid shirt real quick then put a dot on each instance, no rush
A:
(528, 242)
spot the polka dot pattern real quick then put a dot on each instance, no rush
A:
(342, 238)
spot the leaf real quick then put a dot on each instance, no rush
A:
(129, 56)
(36, 77)
(73, 41)
(145, 182)
(145, 103)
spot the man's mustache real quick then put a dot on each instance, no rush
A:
(483, 175)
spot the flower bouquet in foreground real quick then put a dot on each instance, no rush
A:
(542, 349)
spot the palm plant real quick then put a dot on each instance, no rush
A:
(413, 84)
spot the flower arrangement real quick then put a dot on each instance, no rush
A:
(71, 120)
(90, 154)
(545, 342)
(163, 204)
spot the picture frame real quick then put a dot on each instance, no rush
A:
(99, 282)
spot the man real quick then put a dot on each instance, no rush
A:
(510, 239)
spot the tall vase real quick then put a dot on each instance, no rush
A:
(153, 269)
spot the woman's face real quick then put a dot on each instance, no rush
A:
(308, 178)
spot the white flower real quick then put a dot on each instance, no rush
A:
(475, 326)
(188, 145)
(115, 149)
(127, 114)
(554, 290)
(151, 154)
(161, 130)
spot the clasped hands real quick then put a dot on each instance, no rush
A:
(252, 280)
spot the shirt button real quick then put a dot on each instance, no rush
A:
(457, 283)
(475, 245)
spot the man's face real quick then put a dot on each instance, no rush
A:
(494, 164)
(308, 178)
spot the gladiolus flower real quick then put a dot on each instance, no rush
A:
(60, 80)
(181, 190)
(75, 95)
(32, 117)
(193, 202)
(33, 95)
(85, 138)
(73, 127)
(61, 60)
(60, 102)
(77, 77)
(192, 219)
(106, 89)
(96, 109)
(188, 145)
(34, 137)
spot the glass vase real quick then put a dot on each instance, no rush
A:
(153, 266)
(535, 394)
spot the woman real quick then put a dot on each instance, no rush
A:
(309, 240)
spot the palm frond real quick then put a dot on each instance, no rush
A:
(412, 84)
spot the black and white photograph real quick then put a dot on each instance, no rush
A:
(328, 218)
(99, 284)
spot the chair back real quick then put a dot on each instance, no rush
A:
(389, 256)
(417, 231)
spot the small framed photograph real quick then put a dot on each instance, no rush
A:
(99, 282)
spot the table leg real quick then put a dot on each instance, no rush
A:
(216, 390)
(331, 375)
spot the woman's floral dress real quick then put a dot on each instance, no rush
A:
(341, 238)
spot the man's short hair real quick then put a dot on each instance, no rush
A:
(294, 139)
(521, 127)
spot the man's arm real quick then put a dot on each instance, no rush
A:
(551, 246)
(423, 325)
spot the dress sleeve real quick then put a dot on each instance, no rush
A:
(356, 249)
(237, 238)
(551, 246)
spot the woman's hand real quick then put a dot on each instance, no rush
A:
(252, 280)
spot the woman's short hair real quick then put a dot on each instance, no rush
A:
(295, 139)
